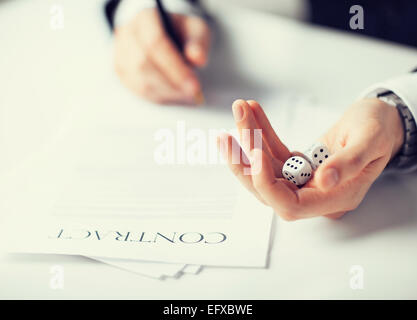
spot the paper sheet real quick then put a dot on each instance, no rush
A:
(98, 191)
(146, 268)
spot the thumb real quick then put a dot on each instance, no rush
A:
(344, 165)
(196, 37)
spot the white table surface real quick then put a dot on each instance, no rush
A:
(46, 73)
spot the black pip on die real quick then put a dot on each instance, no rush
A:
(317, 154)
(297, 170)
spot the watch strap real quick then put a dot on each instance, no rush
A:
(407, 156)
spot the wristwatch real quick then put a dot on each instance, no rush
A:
(407, 156)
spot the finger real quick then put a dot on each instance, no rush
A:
(277, 193)
(251, 134)
(163, 52)
(246, 125)
(249, 131)
(195, 35)
(278, 149)
(348, 162)
(152, 85)
(139, 74)
(335, 216)
(163, 89)
(169, 61)
(231, 151)
(346, 197)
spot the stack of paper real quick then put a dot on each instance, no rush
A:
(140, 189)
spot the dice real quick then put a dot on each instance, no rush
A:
(297, 170)
(317, 154)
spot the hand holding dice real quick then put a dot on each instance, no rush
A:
(299, 169)
(362, 142)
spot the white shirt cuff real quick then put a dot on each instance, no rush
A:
(405, 87)
(128, 9)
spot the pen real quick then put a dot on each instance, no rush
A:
(169, 28)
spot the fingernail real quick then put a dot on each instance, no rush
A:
(330, 178)
(237, 112)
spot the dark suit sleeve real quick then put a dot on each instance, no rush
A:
(110, 10)
(392, 20)
(111, 6)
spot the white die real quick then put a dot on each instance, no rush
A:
(317, 154)
(297, 170)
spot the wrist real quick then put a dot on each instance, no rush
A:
(394, 124)
(128, 10)
(390, 119)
